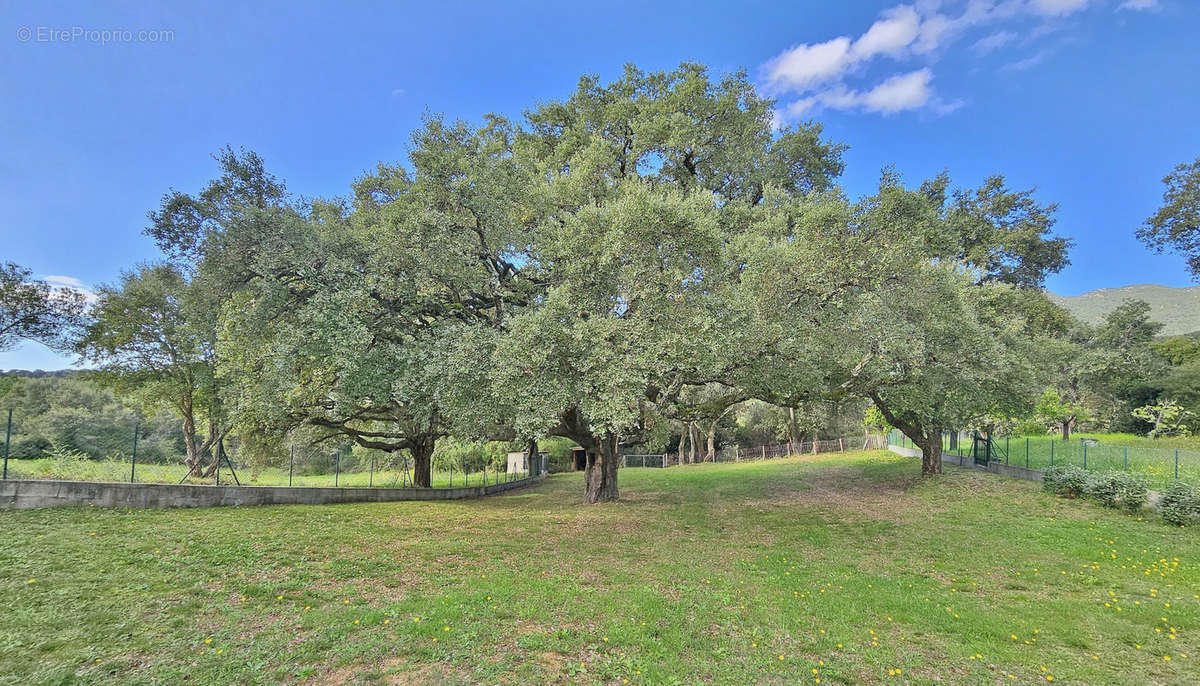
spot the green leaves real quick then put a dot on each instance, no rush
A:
(1176, 225)
(605, 263)
(35, 310)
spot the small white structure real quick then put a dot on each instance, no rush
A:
(519, 462)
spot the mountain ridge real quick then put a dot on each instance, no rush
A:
(1177, 308)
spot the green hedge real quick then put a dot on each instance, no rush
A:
(1069, 481)
(1118, 490)
(1181, 504)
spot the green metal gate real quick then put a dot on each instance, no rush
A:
(984, 449)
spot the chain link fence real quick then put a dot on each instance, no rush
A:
(303, 467)
(735, 453)
(1159, 465)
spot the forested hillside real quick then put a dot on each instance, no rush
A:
(1177, 308)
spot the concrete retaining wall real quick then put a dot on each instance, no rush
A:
(1015, 472)
(22, 495)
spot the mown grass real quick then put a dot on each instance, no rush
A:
(837, 568)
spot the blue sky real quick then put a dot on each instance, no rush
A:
(1091, 101)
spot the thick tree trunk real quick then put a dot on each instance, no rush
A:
(931, 452)
(422, 453)
(927, 438)
(710, 454)
(601, 474)
(683, 436)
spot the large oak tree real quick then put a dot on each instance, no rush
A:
(646, 184)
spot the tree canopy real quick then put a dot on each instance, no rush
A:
(634, 260)
(32, 309)
(1175, 226)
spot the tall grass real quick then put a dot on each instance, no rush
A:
(72, 468)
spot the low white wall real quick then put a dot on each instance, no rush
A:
(27, 494)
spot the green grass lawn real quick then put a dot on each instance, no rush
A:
(842, 568)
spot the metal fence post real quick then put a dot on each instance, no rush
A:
(133, 462)
(1026, 452)
(1126, 458)
(7, 440)
(1085, 455)
(291, 465)
(1051, 452)
(1007, 441)
(371, 479)
(337, 467)
(1177, 463)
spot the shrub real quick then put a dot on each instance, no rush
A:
(65, 463)
(1118, 489)
(1181, 504)
(1069, 480)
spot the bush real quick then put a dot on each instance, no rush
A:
(28, 447)
(1118, 489)
(1181, 504)
(1069, 481)
(65, 463)
(1030, 427)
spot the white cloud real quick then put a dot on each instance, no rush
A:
(1057, 8)
(934, 30)
(1022, 65)
(797, 109)
(902, 92)
(993, 42)
(942, 108)
(817, 74)
(807, 65)
(397, 92)
(71, 283)
(890, 35)
(939, 29)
